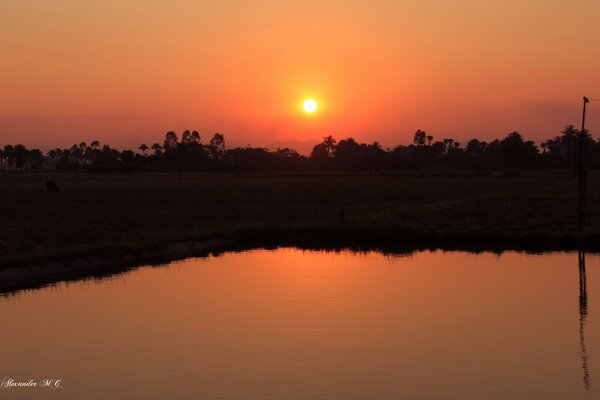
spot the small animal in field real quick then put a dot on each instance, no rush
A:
(52, 187)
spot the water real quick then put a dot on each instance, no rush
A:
(292, 324)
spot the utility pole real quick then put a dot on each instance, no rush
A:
(582, 173)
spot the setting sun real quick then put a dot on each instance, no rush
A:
(310, 106)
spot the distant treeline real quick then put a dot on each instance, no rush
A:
(188, 153)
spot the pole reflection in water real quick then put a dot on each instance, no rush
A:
(583, 311)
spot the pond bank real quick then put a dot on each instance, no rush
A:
(392, 240)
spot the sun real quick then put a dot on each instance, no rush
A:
(310, 105)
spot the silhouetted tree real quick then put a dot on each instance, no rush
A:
(475, 148)
(9, 155)
(518, 153)
(157, 149)
(329, 143)
(35, 160)
(288, 159)
(322, 153)
(190, 140)
(320, 156)
(127, 157)
(171, 153)
(171, 142)
(513, 151)
(216, 147)
(348, 154)
(419, 138)
(20, 155)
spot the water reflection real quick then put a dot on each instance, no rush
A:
(293, 324)
(583, 312)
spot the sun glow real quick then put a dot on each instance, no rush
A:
(310, 106)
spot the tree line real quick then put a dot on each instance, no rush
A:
(188, 153)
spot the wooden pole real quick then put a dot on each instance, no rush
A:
(582, 175)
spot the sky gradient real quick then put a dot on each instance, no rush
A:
(125, 72)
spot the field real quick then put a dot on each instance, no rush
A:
(101, 214)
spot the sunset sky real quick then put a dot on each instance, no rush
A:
(127, 71)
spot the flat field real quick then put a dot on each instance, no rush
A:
(98, 214)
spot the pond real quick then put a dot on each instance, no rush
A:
(294, 324)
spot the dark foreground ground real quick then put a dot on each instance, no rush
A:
(117, 214)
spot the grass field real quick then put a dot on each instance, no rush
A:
(99, 214)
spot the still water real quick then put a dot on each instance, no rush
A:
(293, 324)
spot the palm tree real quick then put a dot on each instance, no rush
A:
(143, 148)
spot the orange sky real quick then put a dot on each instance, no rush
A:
(125, 72)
